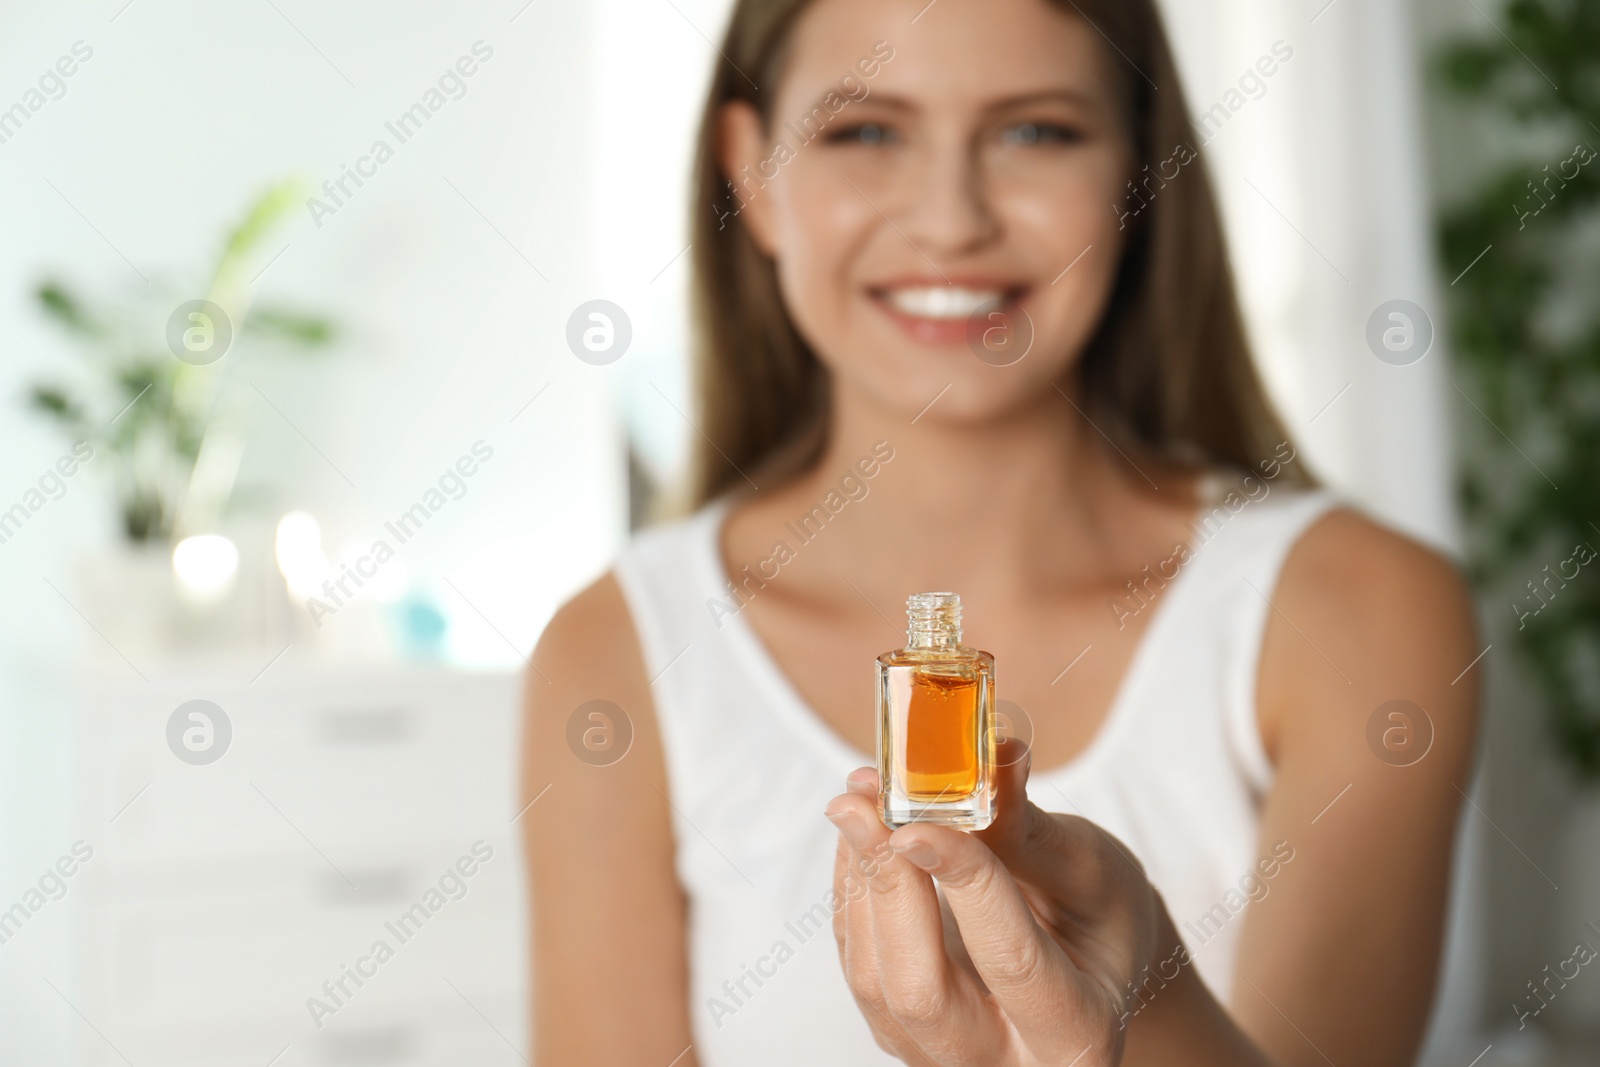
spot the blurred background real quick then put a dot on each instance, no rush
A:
(301, 446)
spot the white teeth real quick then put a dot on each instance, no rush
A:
(943, 301)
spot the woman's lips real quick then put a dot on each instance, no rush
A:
(943, 315)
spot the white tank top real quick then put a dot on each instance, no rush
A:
(1177, 772)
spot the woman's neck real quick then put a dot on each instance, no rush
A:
(1038, 496)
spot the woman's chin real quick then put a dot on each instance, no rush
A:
(968, 394)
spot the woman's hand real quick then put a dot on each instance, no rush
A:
(1055, 923)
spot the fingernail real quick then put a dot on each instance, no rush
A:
(918, 853)
(862, 784)
(851, 827)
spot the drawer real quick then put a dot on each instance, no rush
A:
(342, 763)
(198, 954)
(437, 1032)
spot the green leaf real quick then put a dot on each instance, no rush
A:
(306, 330)
(137, 377)
(270, 206)
(1539, 391)
(55, 401)
(62, 306)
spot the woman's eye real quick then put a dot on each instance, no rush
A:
(862, 133)
(1040, 133)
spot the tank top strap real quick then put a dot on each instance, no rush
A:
(1248, 529)
(666, 576)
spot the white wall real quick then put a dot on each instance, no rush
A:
(184, 112)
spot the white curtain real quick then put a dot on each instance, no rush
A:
(1321, 175)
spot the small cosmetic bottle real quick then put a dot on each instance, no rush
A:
(936, 722)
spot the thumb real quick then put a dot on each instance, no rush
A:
(1018, 822)
(1016, 959)
(1013, 762)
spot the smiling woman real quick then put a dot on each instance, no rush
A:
(987, 174)
(1156, 323)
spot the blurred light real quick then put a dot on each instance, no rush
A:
(206, 563)
(301, 561)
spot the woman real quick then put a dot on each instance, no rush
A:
(967, 323)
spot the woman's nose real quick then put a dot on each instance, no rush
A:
(946, 207)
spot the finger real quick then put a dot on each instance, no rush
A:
(953, 945)
(1013, 763)
(914, 973)
(1023, 835)
(863, 780)
(853, 933)
(889, 881)
(1017, 819)
(858, 863)
(1028, 975)
(1063, 857)
(852, 923)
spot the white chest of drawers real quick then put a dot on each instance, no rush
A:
(220, 898)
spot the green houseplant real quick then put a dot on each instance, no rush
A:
(1526, 328)
(146, 411)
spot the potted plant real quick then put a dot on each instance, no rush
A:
(156, 396)
(1522, 247)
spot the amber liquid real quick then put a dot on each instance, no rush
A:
(936, 722)
(932, 726)
(940, 733)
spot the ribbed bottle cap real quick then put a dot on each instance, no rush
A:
(933, 618)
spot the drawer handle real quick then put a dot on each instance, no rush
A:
(386, 1045)
(380, 726)
(377, 885)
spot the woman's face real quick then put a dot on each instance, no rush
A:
(916, 175)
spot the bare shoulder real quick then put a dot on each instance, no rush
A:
(593, 629)
(1364, 614)
(1349, 561)
(1367, 698)
(607, 909)
(588, 656)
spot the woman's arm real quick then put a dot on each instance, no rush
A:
(610, 973)
(1339, 961)
(1339, 957)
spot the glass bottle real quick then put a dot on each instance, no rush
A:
(936, 722)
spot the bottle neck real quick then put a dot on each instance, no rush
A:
(933, 621)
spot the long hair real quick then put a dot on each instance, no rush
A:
(1167, 370)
